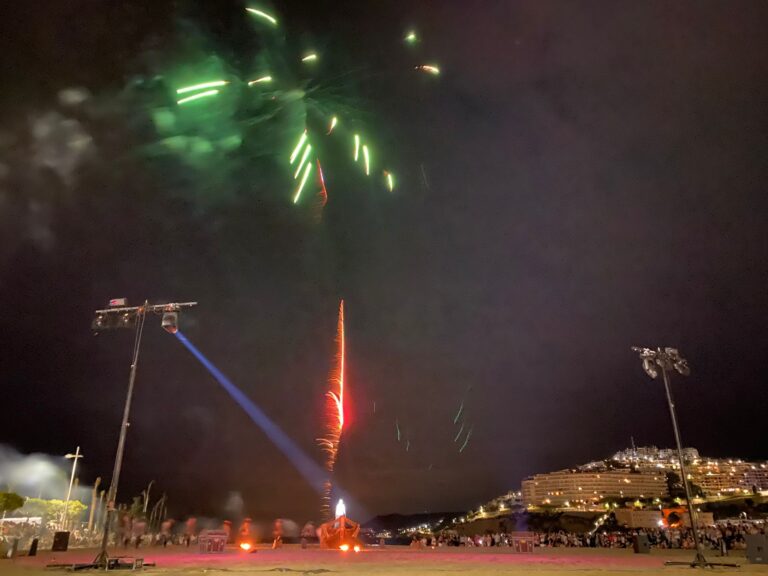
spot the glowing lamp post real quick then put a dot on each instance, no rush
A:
(665, 360)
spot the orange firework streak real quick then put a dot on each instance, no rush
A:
(334, 412)
(323, 195)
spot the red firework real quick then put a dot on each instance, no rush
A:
(334, 414)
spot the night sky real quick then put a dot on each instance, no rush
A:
(595, 179)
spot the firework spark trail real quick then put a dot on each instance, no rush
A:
(197, 96)
(429, 69)
(357, 147)
(466, 441)
(334, 122)
(304, 157)
(260, 80)
(458, 414)
(203, 86)
(397, 428)
(321, 181)
(334, 411)
(263, 15)
(313, 96)
(298, 147)
(456, 439)
(390, 180)
(307, 170)
(367, 159)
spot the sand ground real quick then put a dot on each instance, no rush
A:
(399, 561)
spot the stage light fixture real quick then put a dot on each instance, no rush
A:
(170, 322)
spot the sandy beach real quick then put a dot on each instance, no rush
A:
(395, 560)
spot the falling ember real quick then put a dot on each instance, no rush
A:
(367, 159)
(263, 15)
(390, 180)
(309, 57)
(261, 80)
(334, 410)
(429, 69)
(357, 146)
(334, 121)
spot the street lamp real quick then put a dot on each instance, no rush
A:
(666, 360)
(121, 316)
(74, 457)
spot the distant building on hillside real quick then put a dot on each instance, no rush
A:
(586, 489)
(651, 454)
(729, 477)
(641, 472)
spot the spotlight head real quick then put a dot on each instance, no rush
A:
(170, 322)
(99, 322)
(650, 367)
(682, 367)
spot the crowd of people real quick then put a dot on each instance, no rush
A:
(134, 532)
(723, 537)
(726, 536)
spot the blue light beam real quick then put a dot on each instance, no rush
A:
(308, 468)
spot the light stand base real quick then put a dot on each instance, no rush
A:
(101, 560)
(701, 562)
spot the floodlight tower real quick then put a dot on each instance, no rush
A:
(666, 360)
(121, 316)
